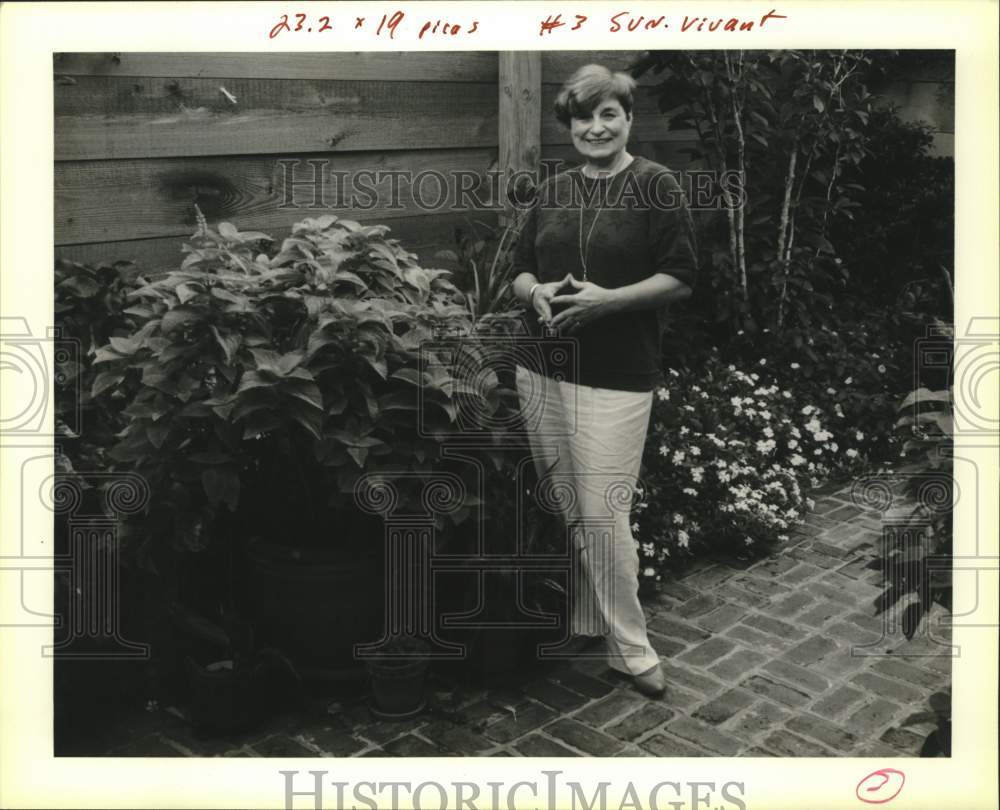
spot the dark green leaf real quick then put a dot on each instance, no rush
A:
(222, 485)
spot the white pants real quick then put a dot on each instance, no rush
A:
(587, 447)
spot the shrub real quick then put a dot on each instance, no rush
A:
(266, 385)
(730, 457)
(91, 306)
(857, 369)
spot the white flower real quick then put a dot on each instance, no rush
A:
(732, 367)
(689, 491)
(763, 361)
(697, 473)
(683, 540)
(850, 452)
(767, 431)
(673, 372)
(859, 435)
(635, 528)
(792, 444)
(794, 365)
(689, 408)
(678, 519)
(678, 457)
(663, 394)
(703, 395)
(818, 451)
(795, 432)
(848, 381)
(648, 572)
(664, 450)
(881, 369)
(813, 425)
(831, 391)
(833, 447)
(648, 549)
(684, 430)
(766, 415)
(807, 409)
(695, 451)
(786, 394)
(796, 460)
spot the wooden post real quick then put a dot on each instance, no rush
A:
(520, 116)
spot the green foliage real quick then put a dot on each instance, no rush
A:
(485, 258)
(857, 369)
(91, 307)
(919, 561)
(783, 126)
(902, 245)
(938, 742)
(730, 457)
(265, 385)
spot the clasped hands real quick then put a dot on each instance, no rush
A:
(586, 303)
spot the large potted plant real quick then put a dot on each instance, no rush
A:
(262, 385)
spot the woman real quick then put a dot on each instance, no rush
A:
(603, 249)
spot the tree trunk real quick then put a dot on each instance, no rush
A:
(784, 230)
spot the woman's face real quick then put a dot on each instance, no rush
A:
(602, 135)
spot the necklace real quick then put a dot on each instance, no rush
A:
(585, 247)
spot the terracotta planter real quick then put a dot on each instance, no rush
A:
(224, 700)
(315, 604)
(397, 687)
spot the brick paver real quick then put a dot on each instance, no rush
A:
(784, 657)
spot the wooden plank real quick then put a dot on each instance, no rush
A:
(115, 118)
(558, 66)
(411, 66)
(114, 200)
(424, 235)
(519, 126)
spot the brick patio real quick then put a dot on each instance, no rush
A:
(759, 663)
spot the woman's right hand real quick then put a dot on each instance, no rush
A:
(543, 295)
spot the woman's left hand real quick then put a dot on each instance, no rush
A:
(588, 303)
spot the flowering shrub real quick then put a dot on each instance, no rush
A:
(858, 371)
(730, 457)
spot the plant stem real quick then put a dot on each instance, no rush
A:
(784, 229)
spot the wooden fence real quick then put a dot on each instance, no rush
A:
(141, 138)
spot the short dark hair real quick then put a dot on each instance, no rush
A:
(588, 87)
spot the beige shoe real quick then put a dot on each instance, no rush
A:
(652, 682)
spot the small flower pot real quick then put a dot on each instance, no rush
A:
(224, 700)
(397, 687)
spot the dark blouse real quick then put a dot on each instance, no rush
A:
(634, 224)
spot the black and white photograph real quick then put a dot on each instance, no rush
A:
(542, 403)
